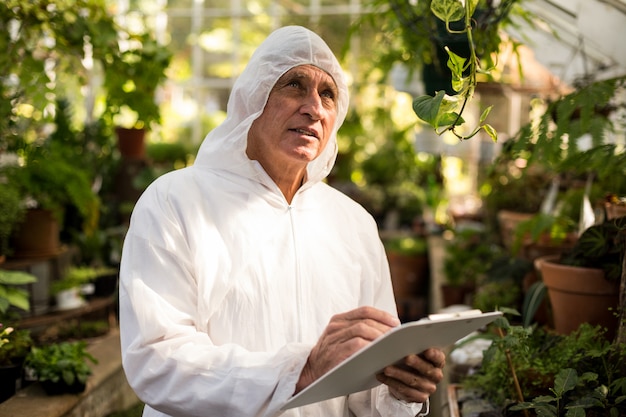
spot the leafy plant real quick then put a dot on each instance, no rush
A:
(526, 365)
(444, 112)
(133, 76)
(10, 295)
(554, 141)
(49, 178)
(78, 276)
(415, 35)
(406, 245)
(468, 257)
(14, 345)
(66, 362)
(600, 246)
(565, 382)
(69, 29)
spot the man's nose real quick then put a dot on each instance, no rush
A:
(312, 106)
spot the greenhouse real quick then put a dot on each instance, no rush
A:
(218, 208)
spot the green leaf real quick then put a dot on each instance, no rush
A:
(535, 295)
(447, 119)
(17, 298)
(16, 277)
(493, 134)
(448, 10)
(575, 412)
(68, 376)
(484, 114)
(456, 64)
(427, 107)
(565, 380)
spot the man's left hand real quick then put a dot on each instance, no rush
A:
(417, 378)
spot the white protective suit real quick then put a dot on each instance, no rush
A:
(225, 287)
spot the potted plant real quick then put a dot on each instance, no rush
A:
(468, 257)
(408, 263)
(61, 367)
(131, 80)
(49, 184)
(14, 347)
(76, 282)
(583, 282)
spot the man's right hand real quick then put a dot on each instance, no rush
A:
(345, 334)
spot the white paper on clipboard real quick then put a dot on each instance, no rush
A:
(358, 372)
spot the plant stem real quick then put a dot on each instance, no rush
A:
(518, 389)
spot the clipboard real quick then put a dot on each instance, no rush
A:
(358, 372)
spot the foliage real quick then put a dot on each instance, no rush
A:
(65, 361)
(554, 140)
(468, 257)
(399, 182)
(14, 345)
(541, 360)
(76, 276)
(9, 294)
(501, 285)
(49, 178)
(422, 34)
(600, 246)
(406, 245)
(167, 153)
(133, 76)
(565, 384)
(509, 185)
(38, 33)
(51, 182)
(12, 212)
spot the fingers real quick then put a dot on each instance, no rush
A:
(345, 334)
(435, 356)
(370, 314)
(417, 390)
(417, 378)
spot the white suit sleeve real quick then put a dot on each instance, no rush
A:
(177, 369)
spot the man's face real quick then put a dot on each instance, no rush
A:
(297, 121)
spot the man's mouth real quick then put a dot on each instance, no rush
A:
(305, 132)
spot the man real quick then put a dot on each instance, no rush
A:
(245, 277)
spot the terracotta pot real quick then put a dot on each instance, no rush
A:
(508, 221)
(456, 294)
(131, 142)
(613, 211)
(579, 295)
(409, 274)
(37, 236)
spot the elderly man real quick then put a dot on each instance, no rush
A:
(245, 277)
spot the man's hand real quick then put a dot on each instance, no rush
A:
(345, 334)
(417, 378)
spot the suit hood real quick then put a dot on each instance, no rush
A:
(224, 147)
